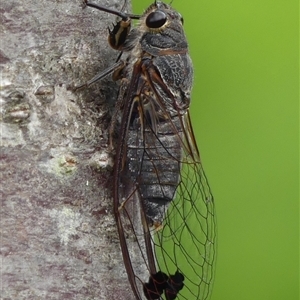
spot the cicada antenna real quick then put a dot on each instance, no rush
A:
(121, 14)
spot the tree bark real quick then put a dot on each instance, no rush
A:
(58, 235)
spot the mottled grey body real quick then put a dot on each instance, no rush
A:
(154, 146)
(157, 167)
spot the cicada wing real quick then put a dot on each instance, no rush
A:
(135, 234)
(181, 235)
(187, 239)
(163, 203)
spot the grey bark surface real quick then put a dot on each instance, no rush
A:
(58, 234)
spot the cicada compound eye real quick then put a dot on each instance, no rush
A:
(156, 19)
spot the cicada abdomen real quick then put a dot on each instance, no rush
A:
(163, 205)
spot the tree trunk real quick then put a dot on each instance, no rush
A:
(58, 238)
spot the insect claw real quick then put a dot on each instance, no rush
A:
(157, 226)
(84, 3)
(81, 86)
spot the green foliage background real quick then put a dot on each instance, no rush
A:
(245, 107)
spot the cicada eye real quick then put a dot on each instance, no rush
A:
(156, 19)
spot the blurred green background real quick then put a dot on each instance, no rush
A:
(245, 107)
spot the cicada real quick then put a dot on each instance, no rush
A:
(163, 205)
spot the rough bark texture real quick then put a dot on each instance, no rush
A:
(58, 235)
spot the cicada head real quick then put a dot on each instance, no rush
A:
(162, 29)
